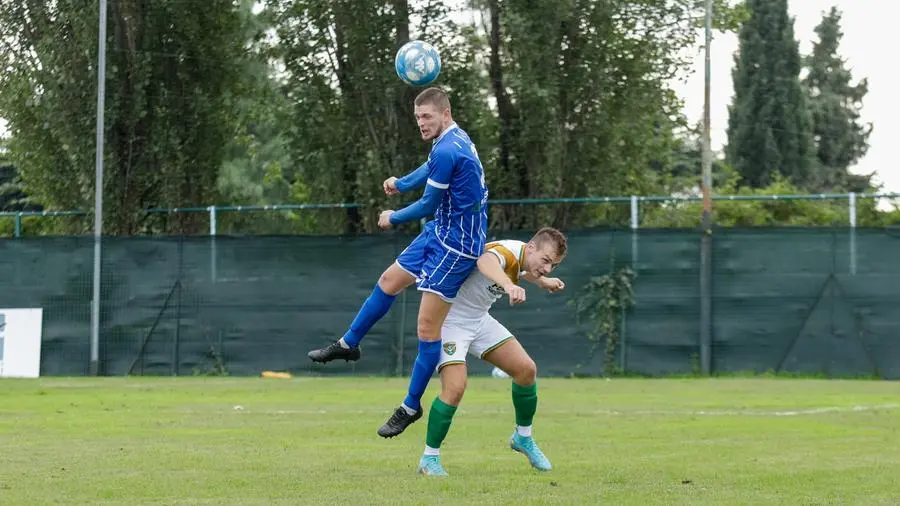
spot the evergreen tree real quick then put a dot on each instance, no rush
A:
(11, 196)
(840, 138)
(769, 127)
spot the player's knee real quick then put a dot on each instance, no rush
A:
(394, 280)
(428, 328)
(526, 373)
(452, 391)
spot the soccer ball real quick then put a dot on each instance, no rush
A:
(417, 63)
(499, 373)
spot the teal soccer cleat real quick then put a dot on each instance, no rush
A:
(430, 465)
(527, 447)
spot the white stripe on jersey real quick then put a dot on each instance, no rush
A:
(455, 261)
(447, 221)
(472, 228)
(458, 252)
(480, 228)
(440, 264)
(465, 240)
(439, 186)
(462, 234)
(471, 223)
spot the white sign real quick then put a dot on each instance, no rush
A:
(20, 342)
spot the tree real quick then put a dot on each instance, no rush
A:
(769, 126)
(583, 99)
(172, 76)
(257, 168)
(841, 139)
(11, 196)
(680, 172)
(351, 118)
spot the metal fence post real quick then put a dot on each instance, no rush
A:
(18, 224)
(213, 274)
(635, 223)
(852, 233)
(212, 220)
(634, 212)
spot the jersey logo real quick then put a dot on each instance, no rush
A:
(449, 348)
(496, 290)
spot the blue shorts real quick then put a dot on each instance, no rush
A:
(436, 268)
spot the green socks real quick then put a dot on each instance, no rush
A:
(439, 419)
(525, 402)
(441, 415)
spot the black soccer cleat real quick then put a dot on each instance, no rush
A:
(334, 351)
(398, 422)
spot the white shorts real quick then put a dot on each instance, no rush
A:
(473, 336)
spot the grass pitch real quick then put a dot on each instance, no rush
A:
(312, 441)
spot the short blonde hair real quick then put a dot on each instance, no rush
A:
(552, 236)
(434, 96)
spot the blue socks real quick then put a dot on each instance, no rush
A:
(426, 361)
(376, 306)
(372, 310)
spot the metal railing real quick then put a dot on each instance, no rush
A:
(633, 200)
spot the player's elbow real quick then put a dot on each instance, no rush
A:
(485, 262)
(481, 263)
(431, 199)
(430, 204)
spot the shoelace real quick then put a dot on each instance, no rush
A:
(529, 445)
(397, 416)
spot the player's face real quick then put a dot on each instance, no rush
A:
(541, 260)
(431, 120)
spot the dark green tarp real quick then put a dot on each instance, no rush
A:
(800, 300)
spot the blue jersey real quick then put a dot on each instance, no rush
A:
(461, 217)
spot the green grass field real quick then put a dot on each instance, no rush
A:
(312, 441)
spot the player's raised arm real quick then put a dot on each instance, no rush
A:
(425, 206)
(412, 181)
(552, 285)
(490, 265)
(440, 170)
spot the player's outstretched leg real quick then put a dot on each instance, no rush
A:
(525, 404)
(453, 385)
(512, 358)
(393, 281)
(432, 313)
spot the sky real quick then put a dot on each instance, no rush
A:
(868, 25)
(865, 24)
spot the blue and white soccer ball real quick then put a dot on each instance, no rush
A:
(417, 63)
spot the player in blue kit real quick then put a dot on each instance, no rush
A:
(440, 259)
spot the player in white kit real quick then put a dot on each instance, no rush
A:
(470, 329)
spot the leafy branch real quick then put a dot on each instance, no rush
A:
(601, 302)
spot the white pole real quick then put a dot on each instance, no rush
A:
(98, 192)
(853, 233)
(634, 212)
(212, 221)
(213, 227)
(635, 223)
(706, 323)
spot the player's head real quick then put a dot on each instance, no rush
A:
(432, 113)
(545, 251)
